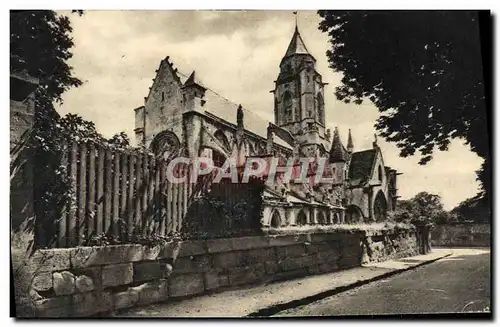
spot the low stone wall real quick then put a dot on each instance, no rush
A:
(466, 235)
(89, 281)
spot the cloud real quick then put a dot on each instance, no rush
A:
(236, 54)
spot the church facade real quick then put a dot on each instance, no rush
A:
(180, 115)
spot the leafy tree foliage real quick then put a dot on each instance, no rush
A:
(472, 210)
(423, 71)
(422, 208)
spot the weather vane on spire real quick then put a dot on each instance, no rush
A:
(295, 14)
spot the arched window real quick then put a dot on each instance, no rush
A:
(380, 207)
(380, 173)
(321, 218)
(320, 108)
(301, 218)
(287, 107)
(310, 106)
(165, 144)
(275, 219)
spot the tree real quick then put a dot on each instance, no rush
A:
(472, 209)
(40, 45)
(422, 70)
(120, 140)
(422, 208)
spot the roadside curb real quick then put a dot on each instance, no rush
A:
(274, 309)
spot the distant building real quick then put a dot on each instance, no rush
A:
(182, 114)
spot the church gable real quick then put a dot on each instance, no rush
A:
(163, 105)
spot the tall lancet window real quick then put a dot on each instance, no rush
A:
(287, 107)
(321, 108)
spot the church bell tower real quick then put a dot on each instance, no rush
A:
(299, 105)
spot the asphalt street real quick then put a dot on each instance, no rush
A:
(459, 283)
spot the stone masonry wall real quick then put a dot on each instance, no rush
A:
(89, 281)
(461, 235)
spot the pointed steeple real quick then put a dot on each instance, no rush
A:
(350, 144)
(297, 45)
(337, 152)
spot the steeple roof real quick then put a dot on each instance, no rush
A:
(337, 153)
(350, 144)
(297, 45)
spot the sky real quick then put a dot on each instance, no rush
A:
(236, 54)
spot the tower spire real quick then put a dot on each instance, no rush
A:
(350, 144)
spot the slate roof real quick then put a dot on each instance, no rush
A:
(297, 45)
(360, 167)
(224, 109)
(337, 153)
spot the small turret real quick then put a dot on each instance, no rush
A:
(337, 152)
(350, 144)
(194, 93)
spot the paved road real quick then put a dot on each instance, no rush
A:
(458, 283)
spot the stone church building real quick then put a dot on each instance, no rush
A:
(182, 116)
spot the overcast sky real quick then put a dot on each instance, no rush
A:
(236, 54)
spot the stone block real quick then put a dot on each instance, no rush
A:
(260, 255)
(64, 283)
(249, 242)
(313, 270)
(84, 284)
(282, 240)
(83, 257)
(327, 246)
(42, 281)
(197, 263)
(94, 273)
(296, 250)
(271, 267)
(246, 275)
(183, 249)
(126, 299)
(228, 259)
(293, 263)
(49, 260)
(326, 237)
(219, 245)
(56, 307)
(325, 257)
(118, 274)
(311, 248)
(349, 262)
(151, 253)
(285, 275)
(146, 271)
(152, 292)
(223, 280)
(212, 280)
(91, 303)
(328, 267)
(186, 284)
